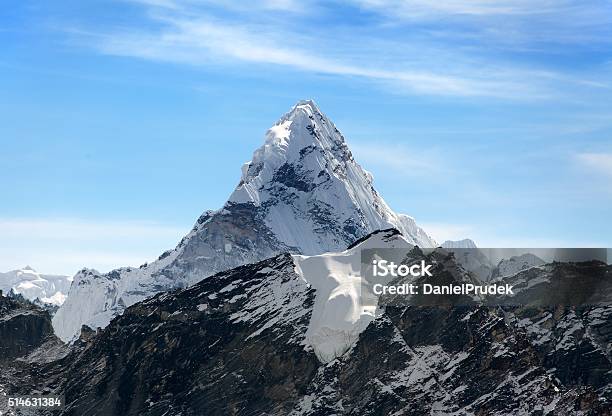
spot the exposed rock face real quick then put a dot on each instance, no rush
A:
(23, 328)
(237, 343)
(239, 332)
(26, 342)
(476, 261)
(473, 260)
(422, 361)
(463, 360)
(302, 193)
(516, 264)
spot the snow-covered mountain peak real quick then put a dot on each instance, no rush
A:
(303, 112)
(516, 264)
(305, 177)
(84, 274)
(302, 141)
(465, 243)
(307, 103)
(47, 288)
(301, 193)
(27, 273)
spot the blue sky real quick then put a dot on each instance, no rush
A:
(121, 121)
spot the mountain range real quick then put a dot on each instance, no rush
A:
(290, 335)
(261, 310)
(302, 193)
(46, 288)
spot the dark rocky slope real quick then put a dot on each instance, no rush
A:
(234, 344)
(23, 327)
(230, 345)
(26, 342)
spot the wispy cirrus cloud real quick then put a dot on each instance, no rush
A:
(422, 8)
(487, 236)
(400, 160)
(597, 162)
(442, 232)
(207, 41)
(65, 245)
(295, 6)
(514, 24)
(215, 32)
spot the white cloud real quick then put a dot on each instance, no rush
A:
(204, 42)
(193, 35)
(400, 160)
(65, 245)
(443, 231)
(439, 58)
(509, 24)
(422, 8)
(277, 5)
(598, 162)
(486, 236)
(81, 229)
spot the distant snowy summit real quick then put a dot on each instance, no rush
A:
(465, 243)
(47, 288)
(302, 193)
(516, 264)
